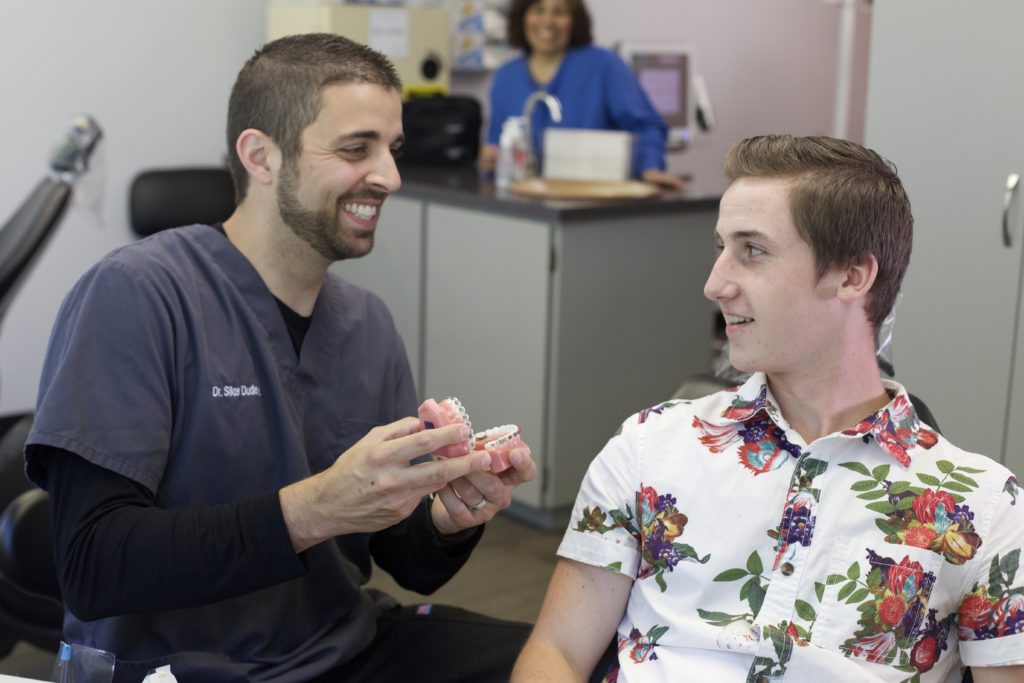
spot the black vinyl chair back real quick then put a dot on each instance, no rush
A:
(168, 198)
(31, 606)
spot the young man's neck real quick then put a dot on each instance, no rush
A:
(291, 269)
(817, 401)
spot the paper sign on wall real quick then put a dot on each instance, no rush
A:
(389, 32)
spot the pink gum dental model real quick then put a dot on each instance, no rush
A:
(434, 415)
(498, 441)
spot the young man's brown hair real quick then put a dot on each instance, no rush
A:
(846, 202)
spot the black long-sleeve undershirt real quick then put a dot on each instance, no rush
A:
(118, 552)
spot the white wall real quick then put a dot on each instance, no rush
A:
(770, 66)
(156, 75)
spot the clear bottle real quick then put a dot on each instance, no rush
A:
(62, 671)
(512, 152)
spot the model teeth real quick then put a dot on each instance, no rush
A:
(494, 432)
(361, 210)
(496, 436)
(456, 404)
(736, 319)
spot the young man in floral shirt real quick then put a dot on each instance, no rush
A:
(806, 525)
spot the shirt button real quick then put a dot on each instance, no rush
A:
(786, 568)
(805, 481)
(762, 679)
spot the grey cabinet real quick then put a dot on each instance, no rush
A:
(488, 310)
(945, 104)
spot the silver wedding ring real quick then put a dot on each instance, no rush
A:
(475, 506)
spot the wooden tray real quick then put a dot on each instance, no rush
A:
(583, 189)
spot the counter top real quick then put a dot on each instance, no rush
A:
(467, 188)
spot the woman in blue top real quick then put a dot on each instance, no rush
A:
(595, 87)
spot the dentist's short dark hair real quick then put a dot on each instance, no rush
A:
(278, 90)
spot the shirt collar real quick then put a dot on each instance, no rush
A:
(751, 398)
(896, 427)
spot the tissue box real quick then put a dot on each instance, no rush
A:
(581, 154)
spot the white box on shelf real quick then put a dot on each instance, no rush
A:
(581, 154)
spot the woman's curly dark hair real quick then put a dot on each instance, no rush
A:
(580, 34)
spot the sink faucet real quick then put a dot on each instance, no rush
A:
(554, 106)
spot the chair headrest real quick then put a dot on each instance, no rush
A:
(167, 198)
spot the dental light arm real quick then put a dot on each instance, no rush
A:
(25, 234)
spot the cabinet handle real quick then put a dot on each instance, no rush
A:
(1012, 181)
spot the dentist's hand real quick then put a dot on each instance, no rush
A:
(475, 498)
(372, 485)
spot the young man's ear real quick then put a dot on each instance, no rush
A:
(858, 278)
(259, 154)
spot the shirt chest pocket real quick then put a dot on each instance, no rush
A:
(875, 603)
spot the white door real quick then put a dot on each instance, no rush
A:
(946, 105)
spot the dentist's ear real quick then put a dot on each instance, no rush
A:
(260, 156)
(858, 278)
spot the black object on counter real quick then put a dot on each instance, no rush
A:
(441, 130)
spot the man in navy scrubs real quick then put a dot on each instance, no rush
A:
(224, 425)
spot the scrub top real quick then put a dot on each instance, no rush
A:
(171, 365)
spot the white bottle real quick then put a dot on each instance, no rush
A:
(512, 152)
(161, 675)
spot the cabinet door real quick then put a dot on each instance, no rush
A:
(945, 105)
(487, 303)
(394, 272)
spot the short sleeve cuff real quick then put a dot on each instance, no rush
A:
(600, 551)
(1002, 651)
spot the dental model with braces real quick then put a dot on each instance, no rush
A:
(449, 411)
(499, 441)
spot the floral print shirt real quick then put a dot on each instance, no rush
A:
(880, 553)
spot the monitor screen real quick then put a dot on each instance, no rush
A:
(664, 74)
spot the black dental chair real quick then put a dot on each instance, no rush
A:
(31, 605)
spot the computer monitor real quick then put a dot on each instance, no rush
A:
(666, 75)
